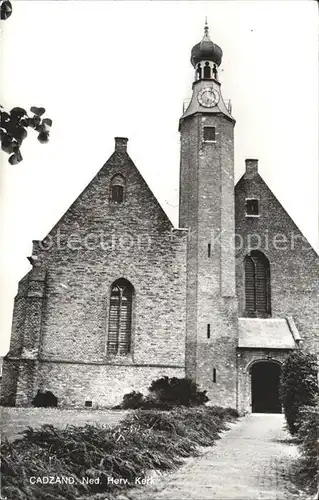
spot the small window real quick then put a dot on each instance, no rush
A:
(208, 250)
(88, 404)
(252, 207)
(208, 331)
(214, 375)
(117, 189)
(209, 134)
(117, 194)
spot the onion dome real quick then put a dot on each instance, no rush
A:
(206, 50)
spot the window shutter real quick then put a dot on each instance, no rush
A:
(209, 134)
(112, 344)
(117, 194)
(120, 318)
(257, 284)
(261, 287)
(125, 326)
(250, 290)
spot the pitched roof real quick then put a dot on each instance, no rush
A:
(268, 333)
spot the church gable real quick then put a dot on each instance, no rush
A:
(117, 198)
(114, 240)
(266, 233)
(258, 210)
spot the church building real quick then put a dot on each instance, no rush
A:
(118, 297)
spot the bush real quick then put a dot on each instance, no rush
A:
(298, 386)
(44, 400)
(165, 393)
(177, 391)
(308, 436)
(132, 400)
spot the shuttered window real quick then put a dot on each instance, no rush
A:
(250, 285)
(120, 318)
(117, 194)
(209, 133)
(117, 189)
(257, 284)
(252, 207)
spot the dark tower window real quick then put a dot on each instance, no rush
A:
(252, 207)
(208, 331)
(209, 134)
(214, 375)
(199, 72)
(117, 189)
(257, 285)
(207, 71)
(120, 318)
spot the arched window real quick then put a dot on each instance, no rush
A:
(117, 189)
(257, 284)
(207, 72)
(120, 318)
(199, 72)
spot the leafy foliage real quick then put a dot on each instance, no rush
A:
(13, 129)
(44, 399)
(308, 435)
(298, 386)
(5, 9)
(178, 391)
(132, 400)
(165, 393)
(144, 440)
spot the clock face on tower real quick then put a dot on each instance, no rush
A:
(208, 97)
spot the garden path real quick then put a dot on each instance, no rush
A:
(250, 462)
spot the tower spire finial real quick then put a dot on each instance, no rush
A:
(206, 28)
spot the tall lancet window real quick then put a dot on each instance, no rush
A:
(120, 318)
(117, 189)
(257, 285)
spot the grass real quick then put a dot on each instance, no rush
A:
(144, 440)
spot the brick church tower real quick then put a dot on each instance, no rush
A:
(207, 210)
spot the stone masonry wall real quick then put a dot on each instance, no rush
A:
(95, 243)
(104, 385)
(293, 263)
(207, 210)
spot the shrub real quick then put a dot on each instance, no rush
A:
(298, 386)
(177, 391)
(45, 399)
(165, 393)
(132, 400)
(309, 445)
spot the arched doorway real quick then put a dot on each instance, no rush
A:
(265, 379)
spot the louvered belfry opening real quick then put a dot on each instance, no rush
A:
(120, 318)
(257, 285)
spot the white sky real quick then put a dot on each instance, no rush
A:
(109, 68)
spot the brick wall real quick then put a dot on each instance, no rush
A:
(104, 385)
(207, 209)
(95, 243)
(293, 263)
